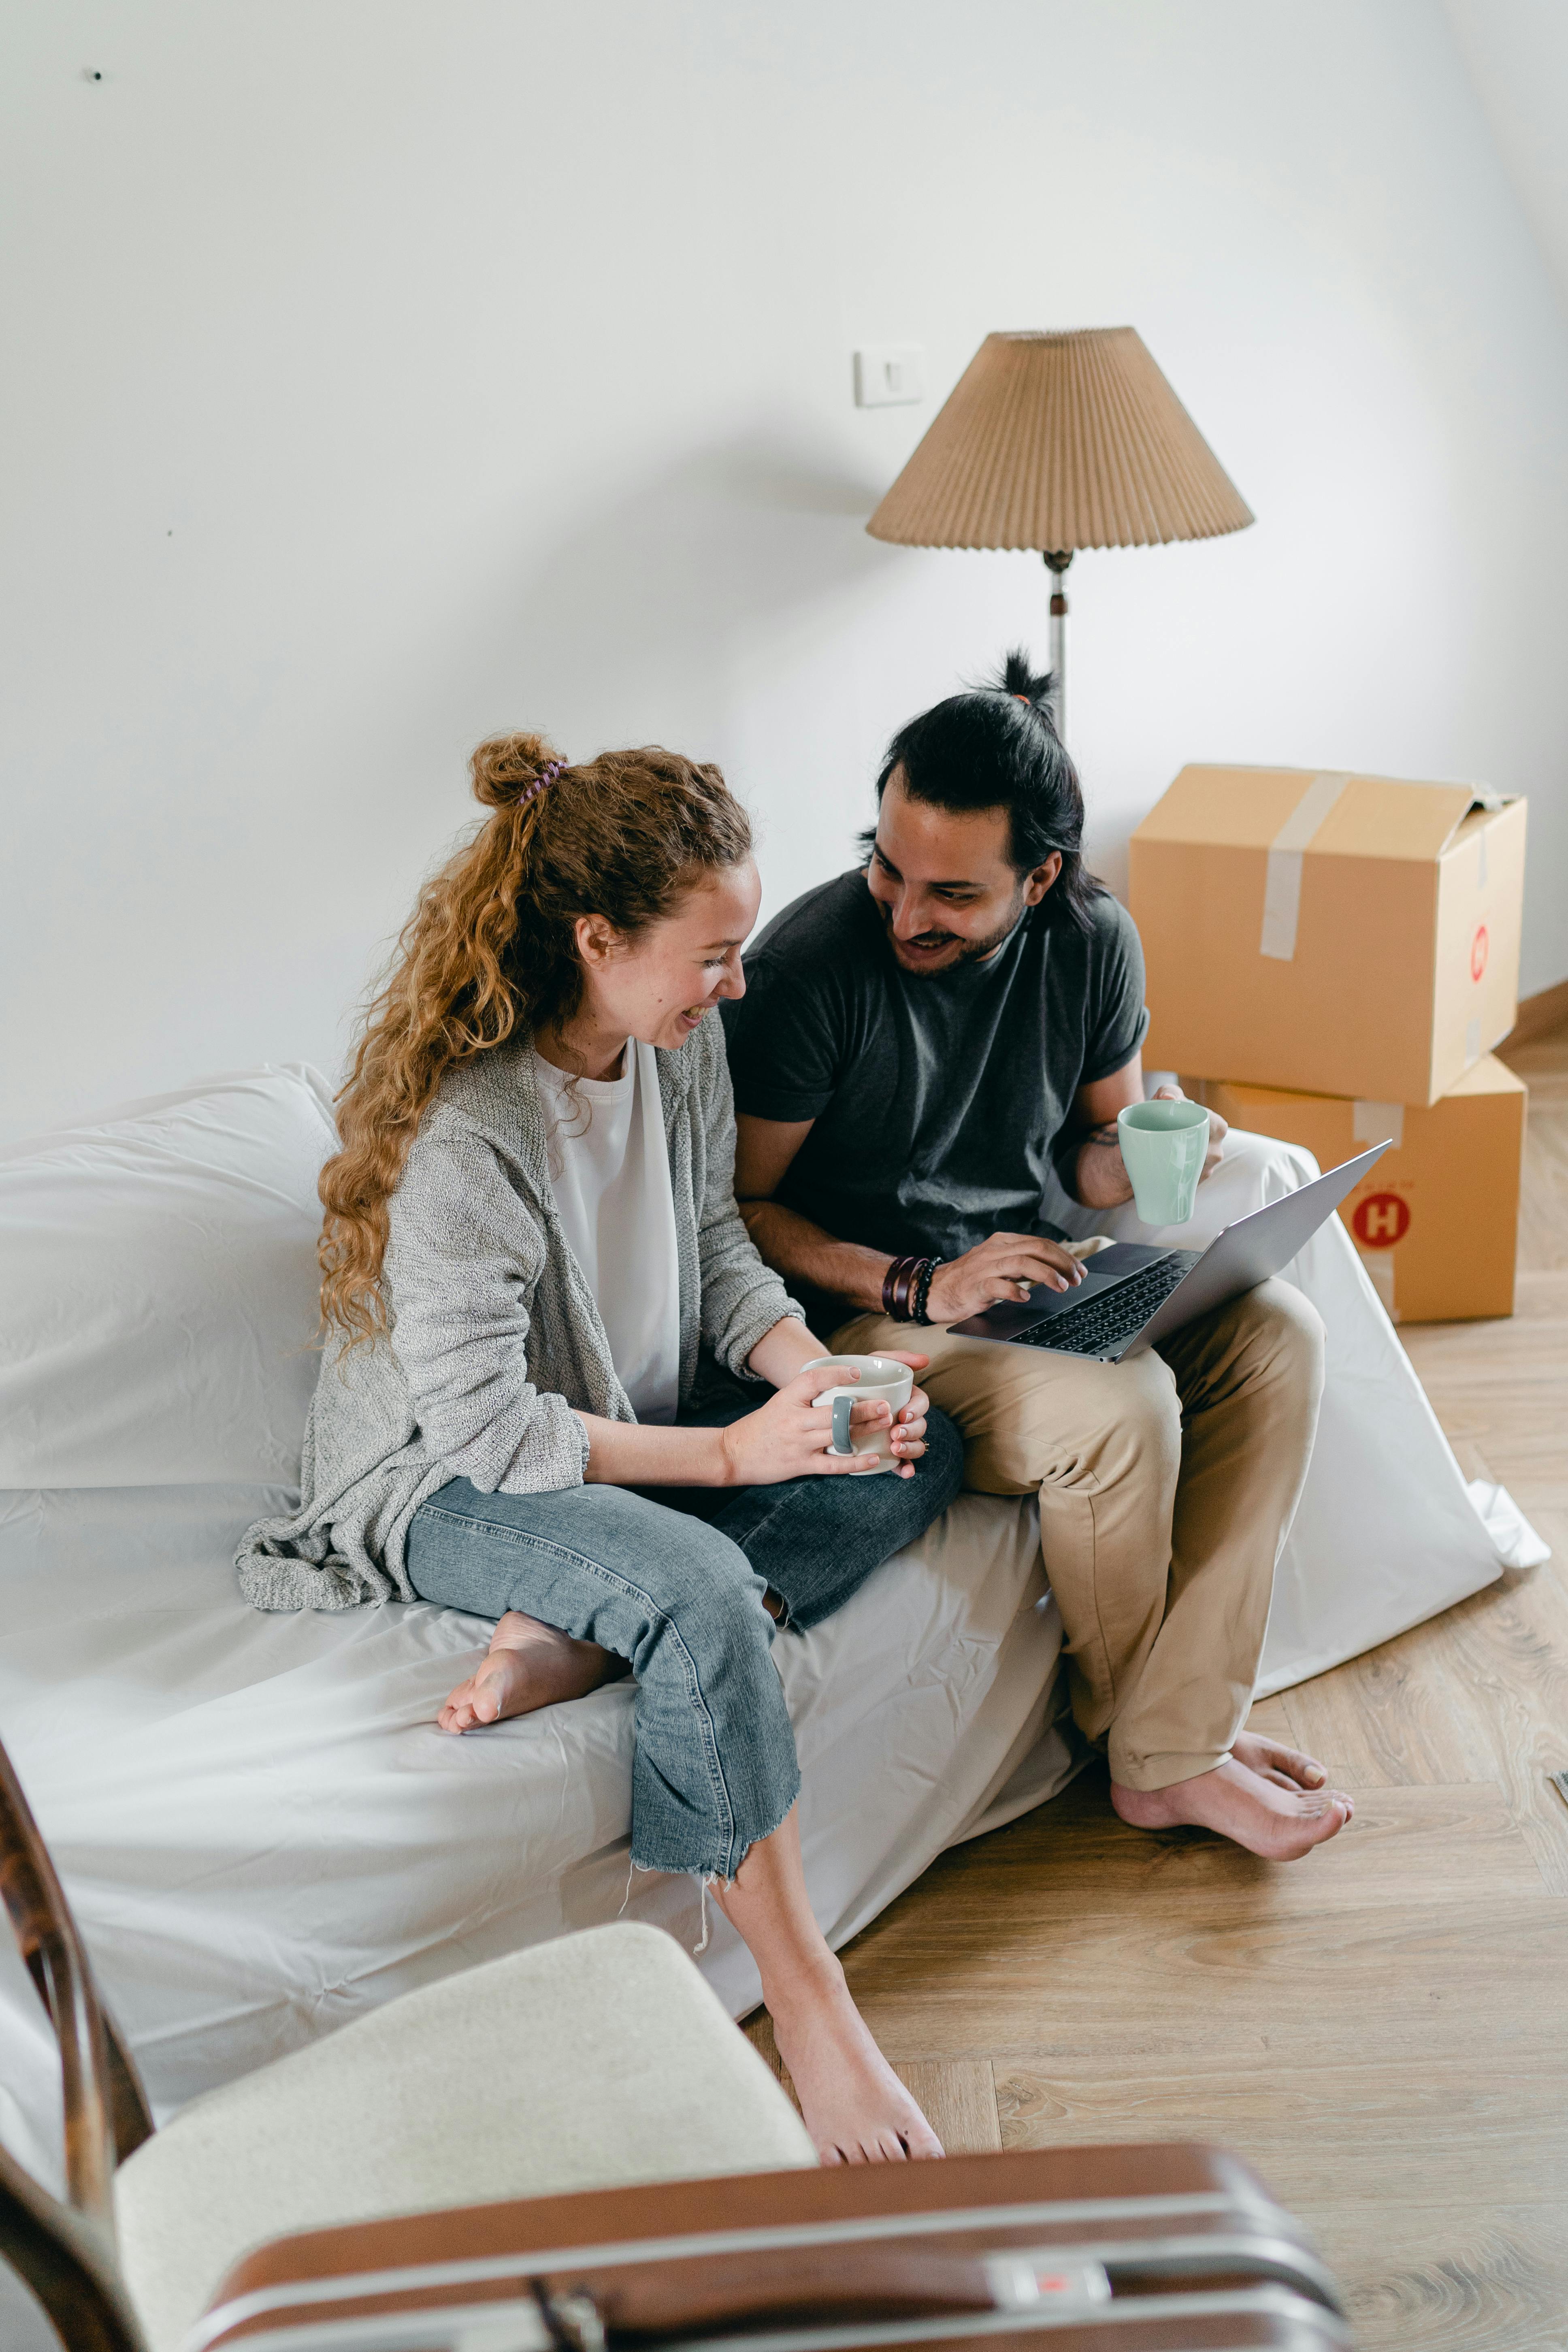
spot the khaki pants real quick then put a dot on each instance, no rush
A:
(1167, 1484)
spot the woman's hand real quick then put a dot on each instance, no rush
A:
(910, 1421)
(1002, 1268)
(789, 1437)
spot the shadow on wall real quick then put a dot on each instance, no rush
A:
(642, 624)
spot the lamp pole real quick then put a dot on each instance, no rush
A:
(1057, 566)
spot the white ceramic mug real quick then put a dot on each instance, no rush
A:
(881, 1382)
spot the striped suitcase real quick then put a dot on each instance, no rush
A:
(1153, 2249)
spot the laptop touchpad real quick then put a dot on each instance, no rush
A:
(1102, 1271)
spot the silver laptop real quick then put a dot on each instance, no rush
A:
(1133, 1295)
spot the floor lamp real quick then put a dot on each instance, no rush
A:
(1056, 442)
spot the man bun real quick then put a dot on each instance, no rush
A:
(505, 767)
(1024, 684)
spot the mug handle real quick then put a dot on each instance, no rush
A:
(842, 1408)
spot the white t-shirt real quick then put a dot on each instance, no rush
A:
(609, 1167)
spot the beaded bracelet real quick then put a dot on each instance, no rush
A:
(906, 1287)
(922, 1289)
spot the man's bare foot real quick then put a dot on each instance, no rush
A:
(527, 1666)
(856, 2108)
(1273, 1813)
(1286, 1766)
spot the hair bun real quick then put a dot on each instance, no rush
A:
(506, 766)
(1033, 687)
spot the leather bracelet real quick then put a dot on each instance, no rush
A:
(923, 1281)
(900, 1266)
(907, 1270)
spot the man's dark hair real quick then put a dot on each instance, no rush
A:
(998, 747)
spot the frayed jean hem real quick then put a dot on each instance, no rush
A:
(721, 1873)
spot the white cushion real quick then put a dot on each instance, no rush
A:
(594, 2061)
(158, 1269)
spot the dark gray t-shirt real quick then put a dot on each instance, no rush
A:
(940, 1100)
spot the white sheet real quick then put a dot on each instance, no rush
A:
(1387, 1533)
(259, 1827)
(262, 1832)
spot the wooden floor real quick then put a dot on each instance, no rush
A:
(1383, 2029)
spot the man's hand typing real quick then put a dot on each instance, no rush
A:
(1003, 1268)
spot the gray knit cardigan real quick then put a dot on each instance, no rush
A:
(496, 1333)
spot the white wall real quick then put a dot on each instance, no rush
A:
(392, 372)
(1516, 54)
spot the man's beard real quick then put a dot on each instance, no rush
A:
(970, 950)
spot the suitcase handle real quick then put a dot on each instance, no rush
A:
(820, 2285)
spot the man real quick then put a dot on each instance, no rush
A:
(922, 1041)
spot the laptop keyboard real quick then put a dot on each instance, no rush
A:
(1119, 1314)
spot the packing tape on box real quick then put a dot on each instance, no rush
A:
(1282, 889)
(1378, 1122)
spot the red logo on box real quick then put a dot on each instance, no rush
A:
(1381, 1219)
(1478, 947)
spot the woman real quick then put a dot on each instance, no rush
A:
(545, 1304)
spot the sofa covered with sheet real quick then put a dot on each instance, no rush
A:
(261, 1828)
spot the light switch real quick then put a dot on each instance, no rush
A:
(887, 375)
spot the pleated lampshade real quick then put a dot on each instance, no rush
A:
(1057, 442)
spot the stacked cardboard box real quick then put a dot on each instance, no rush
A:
(1331, 959)
(1435, 1220)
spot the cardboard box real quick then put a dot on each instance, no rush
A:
(1436, 1221)
(1342, 934)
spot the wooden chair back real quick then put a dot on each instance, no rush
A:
(65, 2250)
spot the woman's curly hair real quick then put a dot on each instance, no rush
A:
(489, 953)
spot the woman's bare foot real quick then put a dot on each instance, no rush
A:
(1268, 1805)
(527, 1666)
(856, 2108)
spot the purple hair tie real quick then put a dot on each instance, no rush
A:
(546, 776)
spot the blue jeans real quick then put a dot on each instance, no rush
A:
(680, 1597)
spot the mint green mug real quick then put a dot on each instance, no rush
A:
(1164, 1147)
